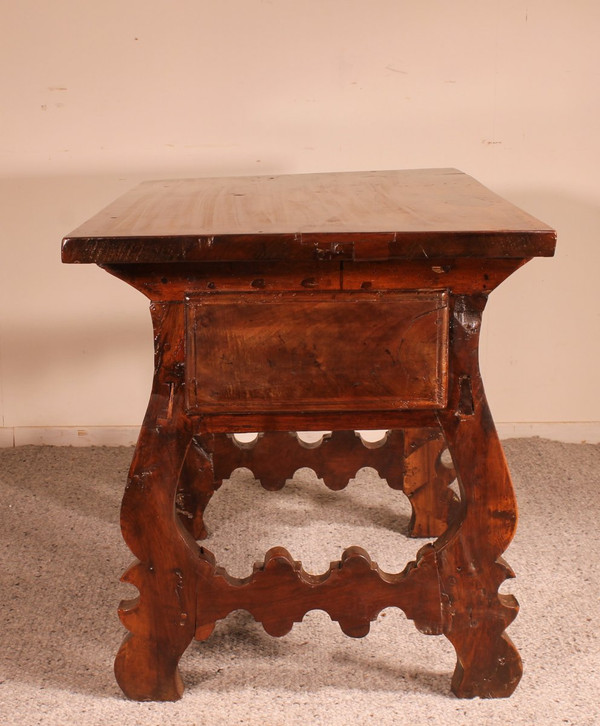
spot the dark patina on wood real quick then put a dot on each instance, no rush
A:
(265, 352)
(317, 302)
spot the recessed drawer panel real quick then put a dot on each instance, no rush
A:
(316, 351)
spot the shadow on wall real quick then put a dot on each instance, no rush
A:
(541, 340)
(86, 372)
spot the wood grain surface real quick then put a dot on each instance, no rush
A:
(315, 351)
(409, 214)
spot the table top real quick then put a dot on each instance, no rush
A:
(410, 214)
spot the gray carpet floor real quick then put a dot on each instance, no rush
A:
(61, 556)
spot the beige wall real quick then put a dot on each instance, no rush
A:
(99, 95)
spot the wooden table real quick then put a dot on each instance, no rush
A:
(338, 302)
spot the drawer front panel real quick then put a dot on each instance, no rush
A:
(316, 351)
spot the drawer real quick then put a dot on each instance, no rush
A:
(316, 351)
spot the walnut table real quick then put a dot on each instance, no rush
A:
(340, 302)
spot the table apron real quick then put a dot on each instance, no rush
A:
(316, 351)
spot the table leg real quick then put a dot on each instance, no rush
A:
(162, 619)
(469, 555)
(426, 483)
(197, 484)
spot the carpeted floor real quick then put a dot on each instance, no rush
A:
(61, 556)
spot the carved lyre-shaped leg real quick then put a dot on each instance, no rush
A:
(162, 619)
(426, 483)
(469, 556)
(196, 486)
